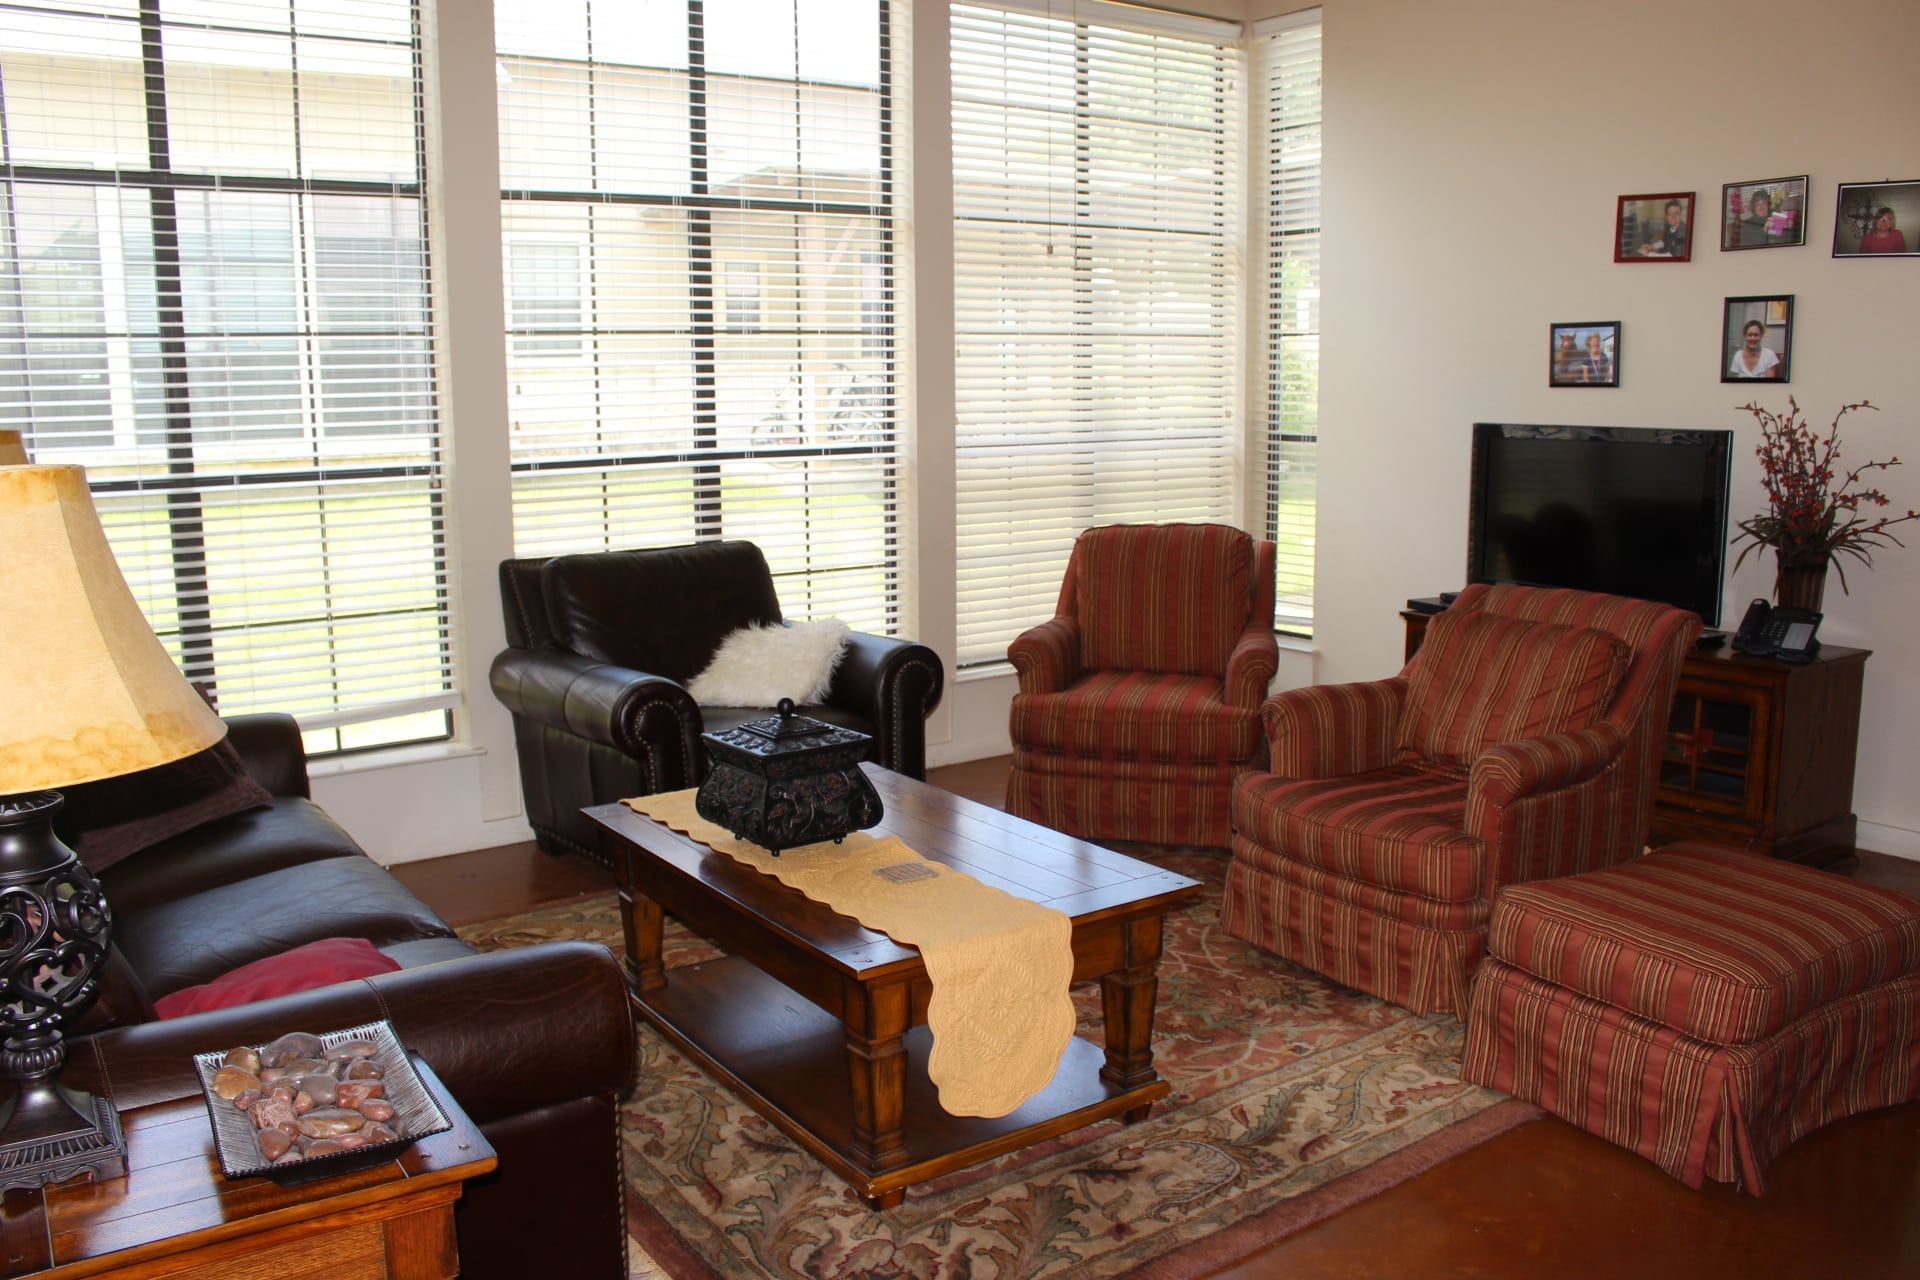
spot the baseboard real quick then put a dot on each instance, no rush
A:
(1898, 841)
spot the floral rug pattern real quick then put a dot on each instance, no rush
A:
(1283, 1083)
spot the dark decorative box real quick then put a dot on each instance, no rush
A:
(788, 780)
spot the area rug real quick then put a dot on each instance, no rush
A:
(1293, 1098)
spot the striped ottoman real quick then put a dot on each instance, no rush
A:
(1700, 1006)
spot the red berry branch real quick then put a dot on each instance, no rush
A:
(1809, 519)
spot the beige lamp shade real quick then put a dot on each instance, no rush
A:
(89, 690)
(12, 452)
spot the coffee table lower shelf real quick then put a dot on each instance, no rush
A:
(787, 1059)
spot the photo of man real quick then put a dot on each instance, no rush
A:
(1654, 228)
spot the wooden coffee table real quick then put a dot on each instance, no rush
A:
(818, 1023)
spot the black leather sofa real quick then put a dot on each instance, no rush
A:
(535, 1043)
(601, 647)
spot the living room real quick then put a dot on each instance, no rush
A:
(1474, 156)
(1473, 161)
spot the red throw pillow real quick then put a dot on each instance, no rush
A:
(317, 964)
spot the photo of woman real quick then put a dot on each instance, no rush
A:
(1584, 355)
(1756, 339)
(1764, 215)
(1877, 220)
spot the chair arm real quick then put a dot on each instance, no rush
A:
(1531, 766)
(894, 685)
(1332, 730)
(509, 1032)
(1250, 667)
(1555, 805)
(269, 745)
(1047, 657)
(644, 716)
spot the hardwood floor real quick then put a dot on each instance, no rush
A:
(1544, 1200)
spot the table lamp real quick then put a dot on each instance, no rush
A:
(90, 693)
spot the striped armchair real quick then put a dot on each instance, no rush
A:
(1521, 743)
(1139, 701)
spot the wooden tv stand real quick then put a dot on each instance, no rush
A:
(1759, 752)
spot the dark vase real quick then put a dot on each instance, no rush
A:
(1799, 581)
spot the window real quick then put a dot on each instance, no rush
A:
(1288, 57)
(214, 295)
(723, 172)
(1097, 290)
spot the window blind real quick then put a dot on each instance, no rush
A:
(1097, 268)
(214, 296)
(698, 216)
(1287, 55)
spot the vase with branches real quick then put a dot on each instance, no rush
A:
(1817, 508)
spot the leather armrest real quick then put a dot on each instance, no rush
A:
(895, 685)
(1047, 657)
(270, 746)
(508, 1032)
(634, 712)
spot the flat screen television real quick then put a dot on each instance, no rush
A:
(1633, 511)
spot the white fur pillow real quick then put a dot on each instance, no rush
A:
(757, 666)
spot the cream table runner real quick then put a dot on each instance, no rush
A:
(999, 965)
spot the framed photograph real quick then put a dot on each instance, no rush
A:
(1767, 214)
(1656, 228)
(1877, 220)
(1584, 355)
(1756, 339)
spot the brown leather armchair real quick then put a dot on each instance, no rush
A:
(1522, 742)
(601, 647)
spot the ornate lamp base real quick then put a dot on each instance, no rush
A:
(53, 1134)
(55, 928)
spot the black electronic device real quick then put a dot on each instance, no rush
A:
(1786, 634)
(1632, 511)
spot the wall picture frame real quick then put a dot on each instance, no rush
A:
(1654, 228)
(1756, 339)
(1586, 354)
(1764, 213)
(1877, 220)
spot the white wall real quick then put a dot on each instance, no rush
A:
(1475, 150)
(1474, 154)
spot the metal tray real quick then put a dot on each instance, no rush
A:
(417, 1114)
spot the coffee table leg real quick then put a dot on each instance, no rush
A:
(1127, 996)
(877, 1020)
(642, 921)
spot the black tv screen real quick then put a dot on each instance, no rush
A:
(1632, 511)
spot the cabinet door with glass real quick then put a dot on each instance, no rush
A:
(1714, 759)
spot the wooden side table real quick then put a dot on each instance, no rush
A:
(176, 1214)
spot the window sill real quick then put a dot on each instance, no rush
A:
(390, 758)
